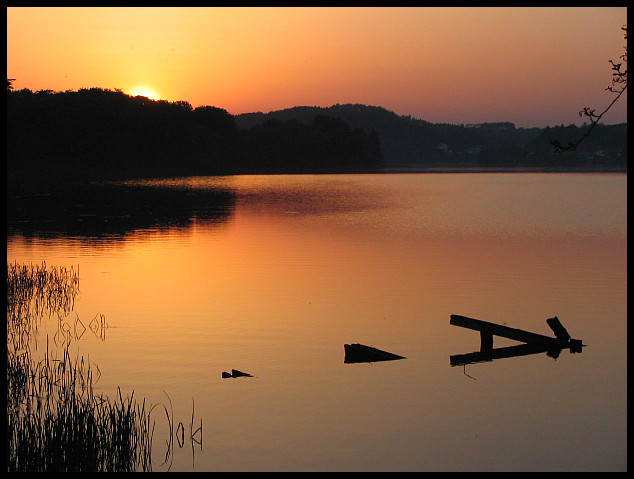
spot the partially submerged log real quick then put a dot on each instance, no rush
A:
(359, 353)
(235, 374)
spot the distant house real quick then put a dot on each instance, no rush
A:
(504, 125)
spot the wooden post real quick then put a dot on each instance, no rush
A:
(486, 341)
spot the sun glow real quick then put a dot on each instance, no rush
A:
(265, 59)
(146, 91)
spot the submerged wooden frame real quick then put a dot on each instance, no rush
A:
(534, 343)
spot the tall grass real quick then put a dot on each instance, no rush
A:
(34, 292)
(55, 422)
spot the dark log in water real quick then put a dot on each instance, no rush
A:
(358, 353)
(235, 374)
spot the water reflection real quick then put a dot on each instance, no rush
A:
(295, 269)
(111, 211)
(69, 329)
(56, 419)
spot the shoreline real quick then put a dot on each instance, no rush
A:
(500, 169)
(19, 178)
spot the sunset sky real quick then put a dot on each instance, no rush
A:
(531, 66)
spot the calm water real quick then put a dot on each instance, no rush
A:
(272, 275)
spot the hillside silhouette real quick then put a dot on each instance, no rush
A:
(108, 134)
(407, 141)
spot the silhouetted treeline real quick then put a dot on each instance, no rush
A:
(294, 147)
(605, 147)
(107, 133)
(99, 132)
(407, 141)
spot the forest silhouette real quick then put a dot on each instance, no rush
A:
(408, 141)
(101, 133)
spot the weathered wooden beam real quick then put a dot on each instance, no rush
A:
(487, 328)
(534, 343)
(506, 352)
(558, 328)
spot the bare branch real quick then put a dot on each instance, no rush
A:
(618, 86)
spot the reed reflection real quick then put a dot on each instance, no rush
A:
(55, 420)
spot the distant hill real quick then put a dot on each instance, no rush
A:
(400, 137)
(407, 141)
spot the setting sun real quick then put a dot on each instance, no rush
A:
(146, 91)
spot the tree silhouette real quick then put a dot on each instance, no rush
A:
(9, 88)
(618, 86)
(99, 132)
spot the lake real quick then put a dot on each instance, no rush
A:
(272, 275)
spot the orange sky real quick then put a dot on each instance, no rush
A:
(532, 66)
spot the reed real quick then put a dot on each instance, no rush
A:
(55, 422)
(35, 292)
